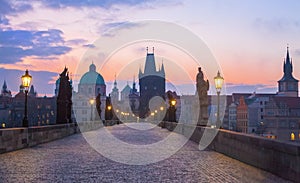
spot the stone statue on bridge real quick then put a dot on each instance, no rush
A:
(98, 105)
(202, 88)
(64, 99)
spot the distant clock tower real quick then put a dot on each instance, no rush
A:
(288, 85)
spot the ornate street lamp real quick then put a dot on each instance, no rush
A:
(108, 112)
(92, 101)
(108, 109)
(218, 83)
(26, 79)
(172, 110)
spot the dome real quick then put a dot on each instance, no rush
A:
(92, 77)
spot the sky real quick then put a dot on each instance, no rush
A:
(247, 39)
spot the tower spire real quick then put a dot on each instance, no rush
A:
(115, 82)
(134, 90)
(162, 70)
(4, 87)
(288, 67)
(287, 54)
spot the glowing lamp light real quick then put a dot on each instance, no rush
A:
(92, 101)
(161, 108)
(219, 81)
(173, 102)
(109, 107)
(292, 136)
(26, 79)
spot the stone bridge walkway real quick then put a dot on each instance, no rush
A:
(72, 159)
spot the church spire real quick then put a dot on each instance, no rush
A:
(140, 72)
(162, 70)
(115, 82)
(134, 90)
(32, 92)
(288, 67)
(4, 87)
(287, 54)
(115, 88)
(4, 91)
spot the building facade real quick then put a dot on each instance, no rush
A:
(242, 116)
(41, 110)
(282, 118)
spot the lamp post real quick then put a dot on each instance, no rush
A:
(108, 112)
(92, 101)
(218, 83)
(162, 118)
(172, 110)
(26, 79)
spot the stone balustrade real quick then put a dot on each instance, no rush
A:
(278, 157)
(17, 138)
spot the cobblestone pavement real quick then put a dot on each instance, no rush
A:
(72, 159)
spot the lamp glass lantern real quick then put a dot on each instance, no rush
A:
(219, 81)
(173, 102)
(92, 101)
(26, 80)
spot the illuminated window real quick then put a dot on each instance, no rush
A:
(292, 136)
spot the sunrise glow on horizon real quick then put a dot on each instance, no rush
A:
(249, 47)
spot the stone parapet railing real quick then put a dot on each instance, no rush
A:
(278, 157)
(17, 138)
